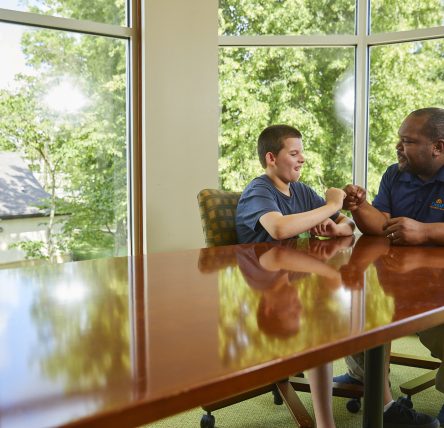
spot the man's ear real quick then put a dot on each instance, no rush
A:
(438, 147)
(270, 158)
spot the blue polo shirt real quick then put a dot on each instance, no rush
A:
(261, 197)
(402, 194)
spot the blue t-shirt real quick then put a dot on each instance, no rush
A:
(261, 197)
(402, 194)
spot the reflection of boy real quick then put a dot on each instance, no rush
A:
(279, 307)
(273, 269)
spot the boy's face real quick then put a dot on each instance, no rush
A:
(288, 163)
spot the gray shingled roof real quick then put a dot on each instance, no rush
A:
(20, 192)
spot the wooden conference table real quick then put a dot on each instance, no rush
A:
(125, 341)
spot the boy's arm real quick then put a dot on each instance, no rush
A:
(287, 226)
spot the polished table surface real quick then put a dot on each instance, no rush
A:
(124, 341)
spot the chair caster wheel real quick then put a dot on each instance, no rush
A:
(277, 399)
(354, 405)
(406, 402)
(207, 421)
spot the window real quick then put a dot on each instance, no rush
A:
(346, 83)
(283, 85)
(68, 117)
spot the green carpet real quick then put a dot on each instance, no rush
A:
(260, 412)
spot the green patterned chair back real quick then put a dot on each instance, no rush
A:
(218, 214)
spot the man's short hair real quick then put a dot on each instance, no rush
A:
(272, 138)
(434, 126)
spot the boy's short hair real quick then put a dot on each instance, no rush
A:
(272, 138)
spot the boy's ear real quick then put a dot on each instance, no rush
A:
(270, 158)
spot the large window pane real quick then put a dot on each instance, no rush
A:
(400, 15)
(106, 11)
(403, 77)
(285, 17)
(63, 145)
(309, 88)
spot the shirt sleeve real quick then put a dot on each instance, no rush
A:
(257, 201)
(382, 199)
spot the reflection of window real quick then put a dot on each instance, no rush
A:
(269, 36)
(64, 103)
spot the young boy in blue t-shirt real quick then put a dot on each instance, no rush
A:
(277, 206)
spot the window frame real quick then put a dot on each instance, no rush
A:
(130, 33)
(361, 41)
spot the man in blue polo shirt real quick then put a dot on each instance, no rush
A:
(408, 209)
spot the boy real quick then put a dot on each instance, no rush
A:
(276, 205)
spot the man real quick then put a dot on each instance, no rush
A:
(408, 210)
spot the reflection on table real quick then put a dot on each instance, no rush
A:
(125, 341)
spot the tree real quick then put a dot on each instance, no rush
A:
(298, 86)
(83, 156)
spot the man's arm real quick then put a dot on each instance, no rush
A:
(369, 219)
(407, 231)
(287, 226)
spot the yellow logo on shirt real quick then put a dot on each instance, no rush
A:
(437, 205)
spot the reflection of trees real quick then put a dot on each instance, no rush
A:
(379, 307)
(84, 341)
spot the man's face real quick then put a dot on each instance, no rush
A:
(289, 161)
(414, 149)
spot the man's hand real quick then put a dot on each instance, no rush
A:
(356, 195)
(335, 196)
(405, 231)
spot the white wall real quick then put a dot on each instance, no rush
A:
(180, 66)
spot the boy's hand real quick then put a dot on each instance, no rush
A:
(356, 195)
(327, 228)
(335, 196)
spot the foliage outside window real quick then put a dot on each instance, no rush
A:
(284, 17)
(65, 113)
(299, 85)
(303, 87)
